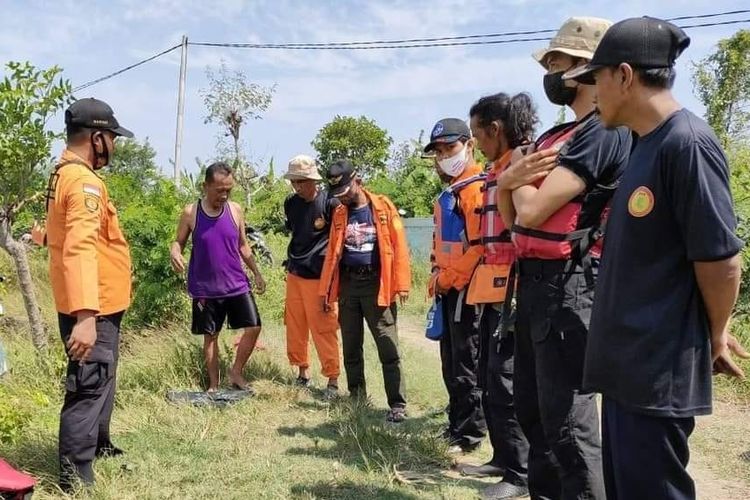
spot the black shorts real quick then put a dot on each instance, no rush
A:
(209, 314)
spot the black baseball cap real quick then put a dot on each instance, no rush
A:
(642, 42)
(340, 177)
(93, 113)
(447, 131)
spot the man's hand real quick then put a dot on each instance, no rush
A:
(259, 283)
(721, 354)
(175, 255)
(527, 169)
(325, 305)
(38, 234)
(403, 297)
(83, 337)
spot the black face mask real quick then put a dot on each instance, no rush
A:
(557, 92)
(104, 155)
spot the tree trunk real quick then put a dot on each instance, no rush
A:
(17, 251)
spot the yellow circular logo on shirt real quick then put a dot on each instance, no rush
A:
(641, 202)
(319, 223)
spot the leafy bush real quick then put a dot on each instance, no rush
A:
(739, 161)
(150, 222)
(13, 418)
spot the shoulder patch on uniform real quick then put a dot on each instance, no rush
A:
(91, 202)
(641, 202)
(92, 190)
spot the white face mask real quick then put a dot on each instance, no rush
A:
(455, 165)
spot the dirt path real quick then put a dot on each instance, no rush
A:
(720, 445)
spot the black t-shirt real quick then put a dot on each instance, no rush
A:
(599, 156)
(360, 239)
(309, 223)
(649, 341)
(596, 154)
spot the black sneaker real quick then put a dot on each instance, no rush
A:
(483, 470)
(504, 490)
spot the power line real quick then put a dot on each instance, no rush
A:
(389, 44)
(127, 68)
(366, 47)
(349, 46)
(409, 43)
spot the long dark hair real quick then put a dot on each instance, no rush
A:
(517, 114)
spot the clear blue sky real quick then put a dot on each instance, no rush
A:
(405, 91)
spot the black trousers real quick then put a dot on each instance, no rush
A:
(459, 356)
(559, 419)
(645, 457)
(89, 400)
(510, 447)
(358, 303)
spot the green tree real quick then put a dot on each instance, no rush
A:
(149, 205)
(410, 181)
(231, 101)
(357, 139)
(722, 82)
(135, 159)
(28, 98)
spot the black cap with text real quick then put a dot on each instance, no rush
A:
(96, 114)
(642, 42)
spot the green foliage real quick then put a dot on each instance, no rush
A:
(722, 83)
(13, 418)
(28, 98)
(411, 182)
(266, 210)
(739, 163)
(231, 100)
(149, 206)
(359, 140)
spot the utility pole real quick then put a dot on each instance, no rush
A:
(180, 110)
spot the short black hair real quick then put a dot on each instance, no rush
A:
(218, 167)
(75, 133)
(658, 78)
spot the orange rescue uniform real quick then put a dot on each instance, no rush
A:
(89, 259)
(395, 270)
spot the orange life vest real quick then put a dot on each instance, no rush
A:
(451, 241)
(489, 283)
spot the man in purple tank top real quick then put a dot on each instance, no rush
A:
(216, 280)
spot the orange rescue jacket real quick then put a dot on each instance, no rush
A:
(89, 259)
(395, 270)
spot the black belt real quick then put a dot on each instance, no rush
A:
(368, 270)
(547, 267)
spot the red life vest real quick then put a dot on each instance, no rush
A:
(561, 233)
(498, 247)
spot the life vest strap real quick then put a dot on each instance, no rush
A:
(546, 235)
(503, 237)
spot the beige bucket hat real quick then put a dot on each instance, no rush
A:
(302, 167)
(578, 37)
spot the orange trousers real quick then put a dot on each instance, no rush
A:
(304, 314)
